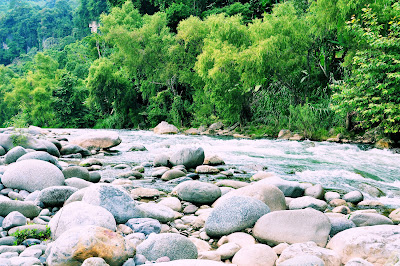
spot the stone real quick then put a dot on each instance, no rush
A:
(141, 192)
(201, 245)
(77, 196)
(172, 202)
(137, 147)
(209, 255)
(338, 202)
(18, 249)
(330, 258)
(308, 202)
(28, 209)
(144, 225)
(353, 197)
(40, 155)
(359, 262)
(25, 261)
(242, 239)
(13, 219)
(303, 260)
(76, 171)
(280, 248)
(32, 175)
(78, 214)
(94, 177)
(234, 214)
(77, 183)
(228, 250)
(90, 162)
(113, 199)
(216, 126)
(165, 128)
(161, 160)
(372, 243)
(172, 174)
(206, 169)
(2, 151)
(289, 188)
(7, 240)
(284, 134)
(159, 171)
(316, 191)
(99, 140)
(76, 245)
(72, 149)
(269, 194)
(55, 196)
(255, 255)
(192, 131)
(94, 261)
(261, 175)
(36, 253)
(297, 137)
(189, 157)
(197, 192)
(369, 219)
(330, 195)
(293, 226)
(34, 130)
(191, 262)
(161, 213)
(213, 160)
(39, 228)
(339, 224)
(13, 154)
(174, 246)
(395, 216)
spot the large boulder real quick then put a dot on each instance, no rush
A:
(98, 140)
(233, 215)
(372, 243)
(40, 155)
(28, 209)
(75, 245)
(32, 175)
(174, 246)
(113, 199)
(197, 192)
(293, 226)
(55, 196)
(13, 154)
(189, 157)
(80, 214)
(165, 128)
(269, 194)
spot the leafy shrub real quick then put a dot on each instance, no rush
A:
(22, 235)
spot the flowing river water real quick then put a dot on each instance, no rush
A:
(340, 167)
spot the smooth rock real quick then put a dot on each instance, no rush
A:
(172, 174)
(330, 195)
(94, 261)
(161, 213)
(330, 258)
(289, 188)
(189, 157)
(28, 209)
(55, 196)
(228, 250)
(137, 147)
(201, 245)
(76, 245)
(40, 155)
(18, 249)
(261, 175)
(76, 171)
(197, 192)
(316, 191)
(32, 175)
(28, 261)
(13, 154)
(77, 214)
(293, 226)
(372, 243)
(395, 216)
(72, 149)
(359, 262)
(98, 140)
(161, 160)
(234, 214)
(36, 253)
(303, 260)
(13, 219)
(191, 262)
(213, 160)
(231, 184)
(255, 255)
(353, 197)
(339, 224)
(77, 183)
(113, 199)
(94, 177)
(172, 202)
(369, 219)
(165, 128)
(308, 202)
(206, 169)
(141, 192)
(174, 246)
(242, 239)
(90, 162)
(144, 225)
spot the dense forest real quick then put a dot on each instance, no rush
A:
(304, 65)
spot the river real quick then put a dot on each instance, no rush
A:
(342, 167)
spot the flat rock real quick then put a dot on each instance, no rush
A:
(78, 214)
(255, 255)
(234, 214)
(197, 192)
(146, 193)
(372, 243)
(293, 226)
(98, 140)
(207, 169)
(369, 219)
(174, 246)
(28, 209)
(76, 245)
(32, 175)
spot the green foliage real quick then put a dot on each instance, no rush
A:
(372, 88)
(18, 138)
(22, 235)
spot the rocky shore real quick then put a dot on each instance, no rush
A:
(57, 209)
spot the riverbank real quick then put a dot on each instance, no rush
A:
(89, 198)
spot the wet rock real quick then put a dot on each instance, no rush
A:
(76, 171)
(369, 219)
(293, 226)
(165, 128)
(189, 157)
(94, 177)
(372, 243)
(353, 197)
(55, 196)
(172, 174)
(234, 214)
(98, 140)
(78, 214)
(174, 246)
(13, 154)
(197, 192)
(206, 169)
(137, 147)
(144, 225)
(28, 209)
(159, 171)
(76, 245)
(232, 184)
(255, 255)
(261, 175)
(32, 175)
(161, 160)
(308, 202)
(113, 199)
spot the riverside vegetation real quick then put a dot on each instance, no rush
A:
(59, 207)
(307, 66)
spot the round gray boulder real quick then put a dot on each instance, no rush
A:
(353, 197)
(174, 246)
(76, 171)
(13, 219)
(13, 154)
(189, 157)
(197, 192)
(40, 155)
(32, 175)
(234, 214)
(113, 199)
(55, 196)
(80, 214)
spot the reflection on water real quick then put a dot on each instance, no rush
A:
(335, 166)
